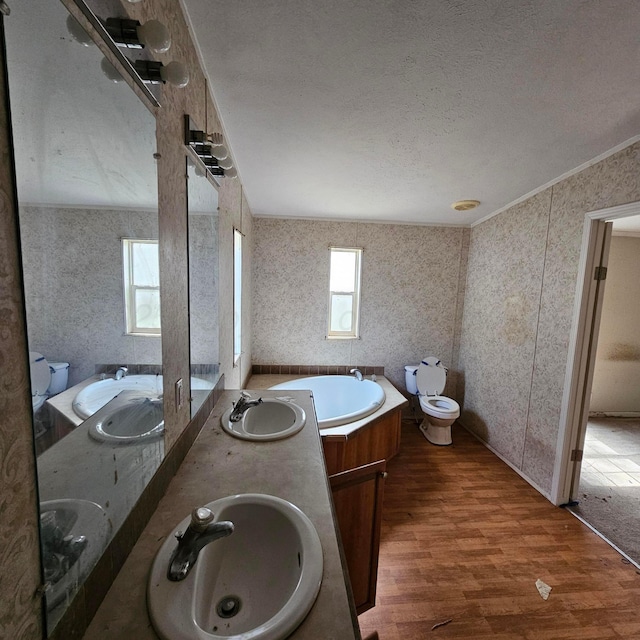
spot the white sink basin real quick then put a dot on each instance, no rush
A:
(272, 419)
(64, 571)
(266, 574)
(128, 419)
(95, 395)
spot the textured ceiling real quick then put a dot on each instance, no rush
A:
(386, 110)
(80, 139)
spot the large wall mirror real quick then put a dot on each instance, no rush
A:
(87, 201)
(203, 282)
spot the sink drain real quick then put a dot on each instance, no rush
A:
(228, 606)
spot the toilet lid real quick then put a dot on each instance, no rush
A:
(431, 377)
(40, 373)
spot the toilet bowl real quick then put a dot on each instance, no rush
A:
(427, 381)
(47, 378)
(40, 379)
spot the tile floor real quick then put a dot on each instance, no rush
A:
(611, 454)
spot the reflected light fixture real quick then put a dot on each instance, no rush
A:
(219, 150)
(77, 32)
(110, 71)
(231, 173)
(210, 150)
(134, 35)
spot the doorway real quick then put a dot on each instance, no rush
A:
(598, 463)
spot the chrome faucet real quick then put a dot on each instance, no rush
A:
(357, 373)
(121, 372)
(59, 551)
(241, 406)
(200, 532)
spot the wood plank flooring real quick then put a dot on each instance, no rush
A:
(464, 538)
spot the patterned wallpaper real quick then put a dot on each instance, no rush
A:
(523, 267)
(72, 264)
(411, 286)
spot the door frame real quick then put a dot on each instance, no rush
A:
(582, 341)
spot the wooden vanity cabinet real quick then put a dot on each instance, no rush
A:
(357, 498)
(378, 440)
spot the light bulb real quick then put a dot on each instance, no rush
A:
(77, 32)
(175, 73)
(219, 151)
(155, 35)
(110, 71)
(225, 164)
(232, 173)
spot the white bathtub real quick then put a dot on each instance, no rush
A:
(339, 399)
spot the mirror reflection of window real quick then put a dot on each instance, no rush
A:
(141, 286)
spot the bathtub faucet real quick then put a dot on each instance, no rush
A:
(241, 406)
(357, 373)
(121, 372)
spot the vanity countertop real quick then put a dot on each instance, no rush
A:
(218, 465)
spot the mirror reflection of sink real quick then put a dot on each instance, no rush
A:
(95, 395)
(73, 534)
(260, 582)
(138, 419)
(272, 419)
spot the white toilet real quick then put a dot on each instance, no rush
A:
(427, 381)
(47, 378)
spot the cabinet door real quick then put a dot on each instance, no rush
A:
(357, 498)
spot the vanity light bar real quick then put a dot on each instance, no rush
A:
(124, 31)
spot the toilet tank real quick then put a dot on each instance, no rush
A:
(410, 379)
(59, 377)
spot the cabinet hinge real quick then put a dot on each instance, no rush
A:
(576, 455)
(600, 273)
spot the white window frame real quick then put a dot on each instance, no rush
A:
(354, 331)
(131, 321)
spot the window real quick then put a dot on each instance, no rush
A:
(344, 292)
(141, 286)
(237, 295)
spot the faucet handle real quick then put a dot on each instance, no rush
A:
(201, 517)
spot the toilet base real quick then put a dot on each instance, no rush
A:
(440, 436)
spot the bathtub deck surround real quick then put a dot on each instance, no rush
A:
(219, 465)
(374, 437)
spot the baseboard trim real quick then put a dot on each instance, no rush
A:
(523, 475)
(614, 414)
